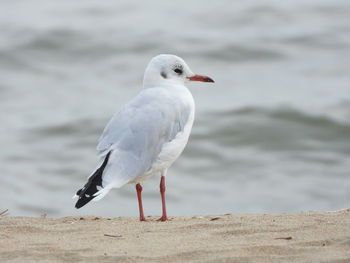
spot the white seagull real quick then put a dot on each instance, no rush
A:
(146, 135)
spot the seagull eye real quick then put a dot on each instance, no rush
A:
(178, 71)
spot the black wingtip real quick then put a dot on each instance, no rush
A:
(86, 194)
(83, 201)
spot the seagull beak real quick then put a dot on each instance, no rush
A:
(200, 78)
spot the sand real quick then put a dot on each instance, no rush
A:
(301, 237)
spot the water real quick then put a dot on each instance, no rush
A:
(271, 135)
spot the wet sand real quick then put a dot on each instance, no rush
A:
(301, 237)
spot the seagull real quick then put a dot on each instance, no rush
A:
(146, 135)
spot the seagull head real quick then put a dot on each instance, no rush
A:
(169, 69)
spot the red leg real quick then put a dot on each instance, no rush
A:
(139, 198)
(162, 193)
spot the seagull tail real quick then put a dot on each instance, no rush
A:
(93, 188)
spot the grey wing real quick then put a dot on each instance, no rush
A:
(113, 130)
(137, 133)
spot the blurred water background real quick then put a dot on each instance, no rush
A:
(271, 135)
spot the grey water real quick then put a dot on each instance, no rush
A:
(271, 135)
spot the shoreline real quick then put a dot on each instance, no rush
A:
(299, 237)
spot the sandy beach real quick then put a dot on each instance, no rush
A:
(301, 237)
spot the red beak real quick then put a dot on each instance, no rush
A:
(200, 78)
